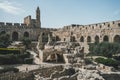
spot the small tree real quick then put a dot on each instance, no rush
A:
(104, 49)
(4, 40)
(108, 62)
(26, 42)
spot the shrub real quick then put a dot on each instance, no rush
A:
(108, 62)
(9, 69)
(13, 59)
(9, 51)
(28, 61)
(104, 49)
(88, 61)
(26, 42)
(23, 56)
(4, 40)
(117, 57)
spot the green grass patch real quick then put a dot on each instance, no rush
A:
(108, 62)
(9, 51)
(15, 59)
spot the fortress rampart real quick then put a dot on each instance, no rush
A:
(11, 24)
(84, 34)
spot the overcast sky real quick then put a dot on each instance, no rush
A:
(58, 13)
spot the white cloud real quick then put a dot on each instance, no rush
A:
(9, 7)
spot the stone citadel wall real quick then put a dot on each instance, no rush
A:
(19, 31)
(84, 34)
(31, 28)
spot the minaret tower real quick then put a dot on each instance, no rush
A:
(38, 22)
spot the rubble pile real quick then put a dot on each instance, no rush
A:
(72, 74)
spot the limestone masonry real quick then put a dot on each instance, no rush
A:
(31, 28)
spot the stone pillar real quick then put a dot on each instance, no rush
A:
(41, 45)
(49, 39)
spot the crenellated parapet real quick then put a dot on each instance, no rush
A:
(17, 24)
(49, 29)
(72, 26)
(90, 32)
(13, 25)
(103, 25)
(2, 23)
(10, 24)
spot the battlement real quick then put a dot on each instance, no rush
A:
(22, 24)
(17, 24)
(9, 24)
(3, 24)
(72, 26)
(27, 20)
(93, 26)
(103, 25)
(49, 29)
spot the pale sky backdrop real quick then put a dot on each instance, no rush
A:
(58, 13)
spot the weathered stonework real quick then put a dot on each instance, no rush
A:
(84, 34)
(31, 28)
(107, 31)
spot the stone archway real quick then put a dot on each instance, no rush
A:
(72, 39)
(26, 34)
(82, 39)
(88, 39)
(44, 37)
(2, 32)
(106, 38)
(15, 36)
(117, 38)
(57, 38)
(97, 39)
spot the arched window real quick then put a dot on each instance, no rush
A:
(97, 39)
(14, 36)
(26, 34)
(2, 32)
(43, 34)
(88, 39)
(117, 38)
(105, 38)
(57, 38)
(64, 39)
(82, 39)
(118, 24)
(72, 39)
(44, 37)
